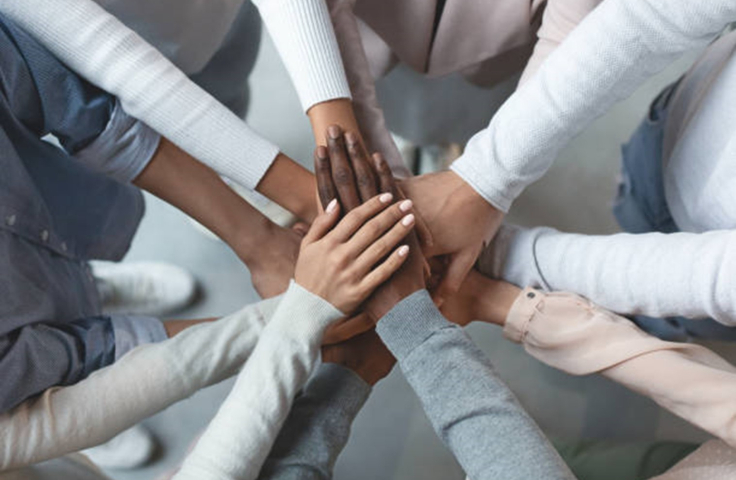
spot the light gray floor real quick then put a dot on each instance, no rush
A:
(392, 439)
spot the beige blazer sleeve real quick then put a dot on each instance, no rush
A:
(362, 86)
(572, 334)
(560, 17)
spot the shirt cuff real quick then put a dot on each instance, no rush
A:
(304, 36)
(133, 331)
(308, 315)
(123, 150)
(410, 323)
(521, 314)
(335, 381)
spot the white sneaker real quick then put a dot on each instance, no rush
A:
(131, 449)
(143, 288)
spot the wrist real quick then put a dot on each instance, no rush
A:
(334, 112)
(495, 301)
(291, 186)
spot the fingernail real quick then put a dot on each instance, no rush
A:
(322, 153)
(406, 205)
(404, 251)
(386, 198)
(332, 206)
(334, 132)
(351, 138)
(408, 220)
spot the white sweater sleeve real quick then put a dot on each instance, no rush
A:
(144, 382)
(107, 53)
(241, 435)
(612, 52)
(654, 274)
(303, 33)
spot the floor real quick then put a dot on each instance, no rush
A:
(392, 438)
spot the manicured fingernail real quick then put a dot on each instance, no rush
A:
(351, 138)
(404, 251)
(408, 220)
(334, 132)
(332, 206)
(406, 205)
(386, 198)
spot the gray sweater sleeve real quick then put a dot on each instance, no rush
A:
(471, 409)
(318, 426)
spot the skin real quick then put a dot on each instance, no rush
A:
(268, 250)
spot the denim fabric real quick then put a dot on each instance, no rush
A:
(641, 207)
(55, 214)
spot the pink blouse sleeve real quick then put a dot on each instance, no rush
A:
(572, 334)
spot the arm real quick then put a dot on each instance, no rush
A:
(652, 274)
(559, 19)
(470, 408)
(318, 427)
(574, 335)
(142, 383)
(611, 53)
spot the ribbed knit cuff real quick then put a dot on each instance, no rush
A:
(410, 323)
(307, 315)
(123, 149)
(482, 182)
(521, 313)
(305, 38)
(333, 382)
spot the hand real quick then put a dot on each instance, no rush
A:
(366, 355)
(272, 266)
(460, 221)
(337, 171)
(346, 264)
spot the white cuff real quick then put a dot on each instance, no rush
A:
(305, 38)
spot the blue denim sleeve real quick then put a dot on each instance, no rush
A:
(44, 355)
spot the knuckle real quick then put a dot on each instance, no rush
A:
(365, 179)
(343, 176)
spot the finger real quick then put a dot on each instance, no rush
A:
(458, 268)
(385, 175)
(347, 329)
(398, 214)
(384, 271)
(342, 170)
(380, 248)
(323, 171)
(354, 220)
(423, 232)
(324, 222)
(365, 177)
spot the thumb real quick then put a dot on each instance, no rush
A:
(324, 222)
(458, 268)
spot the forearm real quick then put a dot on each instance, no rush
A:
(570, 333)
(147, 380)
(239, 438)
(318, 427)
(470, 408)
(609, 55)
(659, 275)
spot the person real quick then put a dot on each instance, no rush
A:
(674, 181)
(337, 270)
(451, 64)
(612, 51)
(58, 212)
(101, 42)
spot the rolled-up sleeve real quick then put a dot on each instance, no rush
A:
(123, 150)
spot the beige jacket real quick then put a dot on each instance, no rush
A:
(487, 41)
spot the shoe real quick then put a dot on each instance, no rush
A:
(131, 449)
(143, 288)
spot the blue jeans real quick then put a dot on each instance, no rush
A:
(641, 207)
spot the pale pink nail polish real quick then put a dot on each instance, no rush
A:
(386, 198)
(332, 206)
(406, 205)
(408, 220)
(404, 251)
